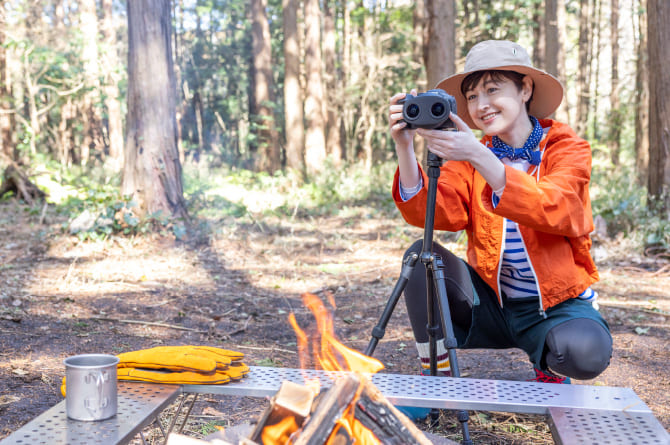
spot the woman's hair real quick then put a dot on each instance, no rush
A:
(472, 80)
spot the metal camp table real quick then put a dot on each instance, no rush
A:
(577, 414)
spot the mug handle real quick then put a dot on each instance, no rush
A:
(100, 378)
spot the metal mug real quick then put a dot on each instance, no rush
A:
(90, 386)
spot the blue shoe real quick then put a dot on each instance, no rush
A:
(414, 413)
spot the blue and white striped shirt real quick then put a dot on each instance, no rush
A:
(516, 276)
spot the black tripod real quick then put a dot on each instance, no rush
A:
(436, 287)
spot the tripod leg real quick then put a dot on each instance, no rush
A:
(380, 329)
(450, 342)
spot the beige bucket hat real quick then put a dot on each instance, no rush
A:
(509, 56)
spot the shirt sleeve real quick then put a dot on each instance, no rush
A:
(408, 193)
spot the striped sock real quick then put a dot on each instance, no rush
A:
(442, 357)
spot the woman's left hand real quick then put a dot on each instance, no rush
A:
(461, 145)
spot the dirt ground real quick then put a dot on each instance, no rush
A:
(234, 285)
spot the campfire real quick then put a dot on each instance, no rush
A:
(351, 411)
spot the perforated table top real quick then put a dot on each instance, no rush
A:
(138, 404)
(447, 393)
(591, 427)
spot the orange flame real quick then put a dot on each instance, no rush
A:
(330, 355)
(330, 352)
(280, 432)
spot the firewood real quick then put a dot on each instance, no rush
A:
(291, 399)
(387, 423)
(351, 397)
(329, 409)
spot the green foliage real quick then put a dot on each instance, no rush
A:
(238, 193)
(93, 206)
(623, 204)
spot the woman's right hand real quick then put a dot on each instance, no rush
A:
(402, 136)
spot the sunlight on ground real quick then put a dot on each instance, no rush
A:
(108, 267)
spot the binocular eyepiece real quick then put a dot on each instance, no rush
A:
(428, 110)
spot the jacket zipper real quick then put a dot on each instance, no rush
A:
(500, 259)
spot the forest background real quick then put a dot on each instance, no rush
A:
(299, 92)
(189, 119)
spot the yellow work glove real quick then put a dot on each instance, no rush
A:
(180, 358)
(183, 377)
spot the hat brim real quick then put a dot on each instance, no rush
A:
(547, 94)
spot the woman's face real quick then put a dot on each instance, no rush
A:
(498, 107)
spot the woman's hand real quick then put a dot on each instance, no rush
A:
(404, 143)
(402, 136)
(461, 145)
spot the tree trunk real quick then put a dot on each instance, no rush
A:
(659, 110)
(538, 38)
(642, 97)
(92, 120)
(555, 50)
(418, 26)
(295, 130)
(347, 112)
(267, 143)
(110, 60)
(7, 120)
(315, 140)
(439, 40)
(583, 81)
(152, 172)
(597, 47)
(614, 138)
(332, 108)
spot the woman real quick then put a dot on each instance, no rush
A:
(521, 194)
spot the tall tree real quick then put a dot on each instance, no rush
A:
(110, 61)
(152, 171)
(659, 109)
(7, 123)
(641, 95)
(555, 48)
(439, 40)
(614, 138)
(595, 56)
(91, 118)
(295, 130)
(418, 27)
(583, 81)
(332, 104)
(538, 37)
(267, 142)
(315, 137)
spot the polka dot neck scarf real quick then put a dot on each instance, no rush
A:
(527, 152)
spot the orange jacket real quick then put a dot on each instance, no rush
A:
(553, 213)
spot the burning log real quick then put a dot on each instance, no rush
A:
(352, 410)
(287, 411)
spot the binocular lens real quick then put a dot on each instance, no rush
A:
(437, 109)
(413, 110)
